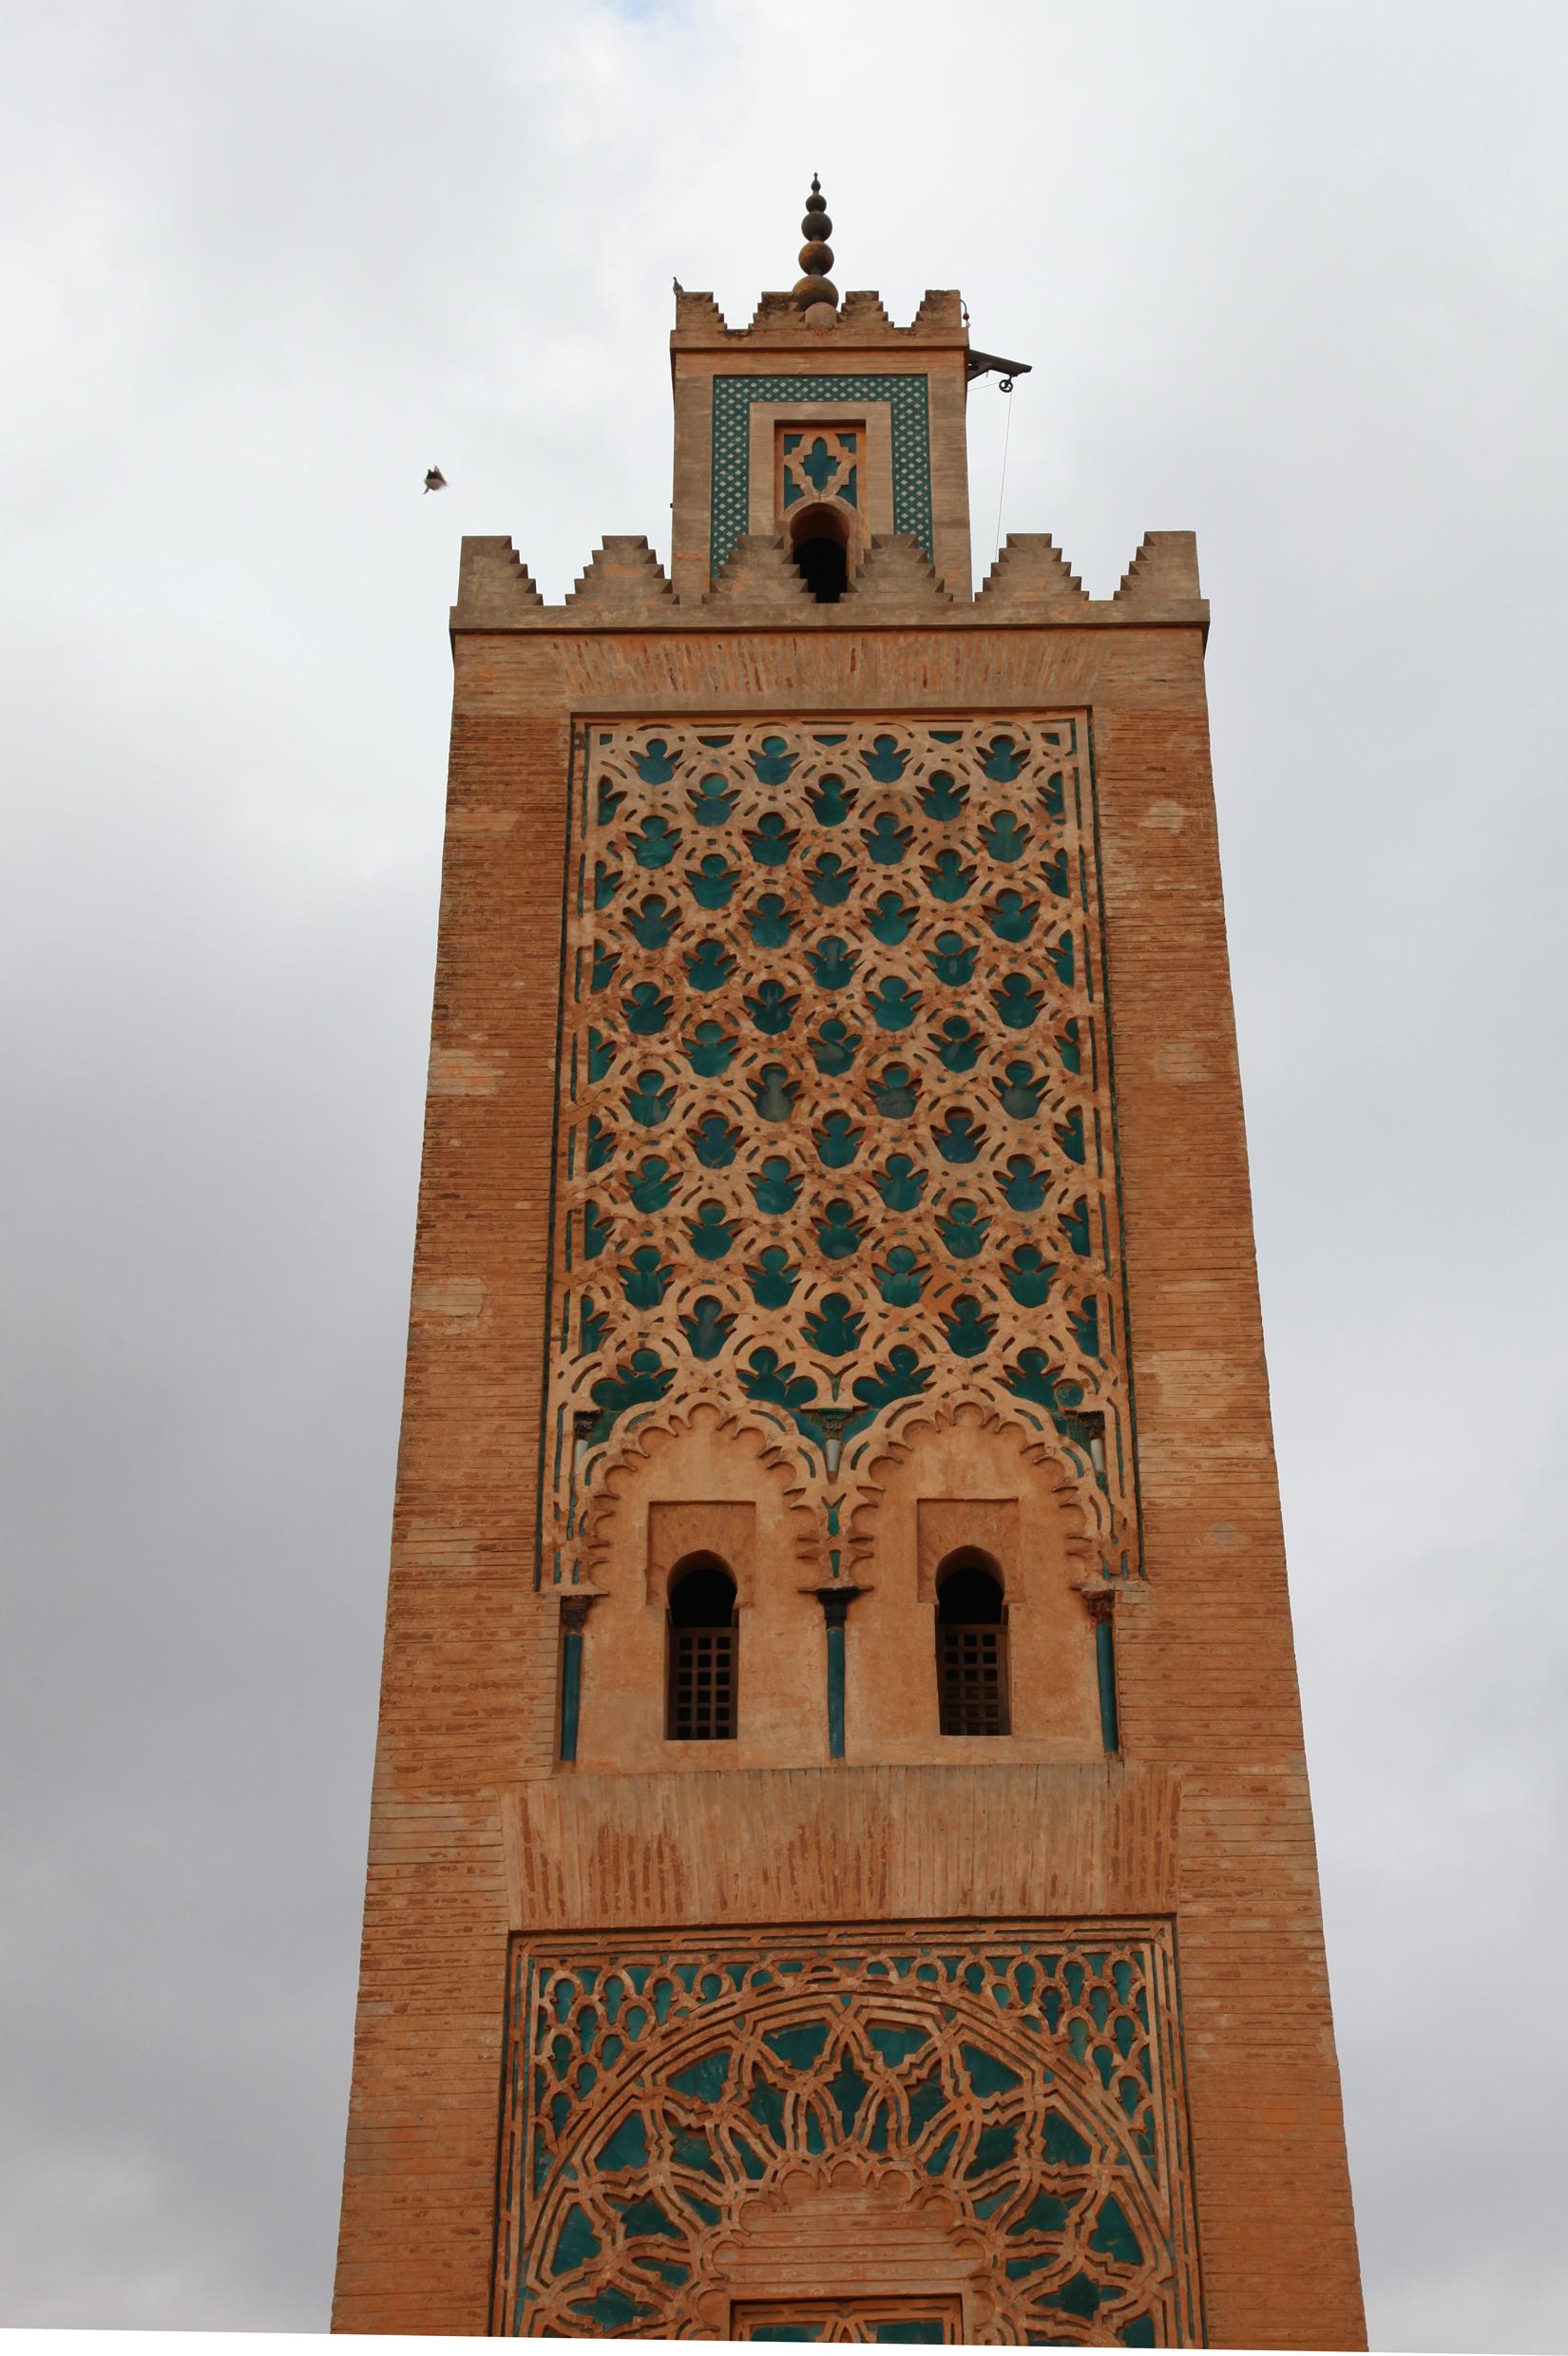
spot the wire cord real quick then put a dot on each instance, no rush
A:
(1001, 487)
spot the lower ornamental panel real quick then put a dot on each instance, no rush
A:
(969, 2132)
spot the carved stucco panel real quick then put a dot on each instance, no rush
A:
(999, 2106)
(835, 1139)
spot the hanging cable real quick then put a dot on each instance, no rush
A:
(1006, 387)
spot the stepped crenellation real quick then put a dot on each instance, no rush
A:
(1030, 571)
(861, 316)
(622, 576)
(1031, 581)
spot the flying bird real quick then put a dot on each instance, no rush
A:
(434, 479)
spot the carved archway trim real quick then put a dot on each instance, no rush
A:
(634, 1464)
(1064, 1492)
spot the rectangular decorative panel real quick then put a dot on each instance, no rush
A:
(836, 1139)
(908, 402)
(997, 2108)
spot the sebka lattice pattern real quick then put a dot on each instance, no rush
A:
(835, 1121)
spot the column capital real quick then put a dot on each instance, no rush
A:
(835, 1596)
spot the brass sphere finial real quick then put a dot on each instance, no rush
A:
(816, 255)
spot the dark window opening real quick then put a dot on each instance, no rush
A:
(702, 1652)
(820, 547)
(971, 1647)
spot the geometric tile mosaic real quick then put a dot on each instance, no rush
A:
(908, 408)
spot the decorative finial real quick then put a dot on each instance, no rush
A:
(816, 255)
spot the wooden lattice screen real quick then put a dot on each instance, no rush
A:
(971, 1670)
(702, 1684)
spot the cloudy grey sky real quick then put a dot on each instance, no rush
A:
(1291, 276)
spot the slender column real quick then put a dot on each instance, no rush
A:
(835, 1598)
(574, 1618)
(832, 1421)
(1102, 1604)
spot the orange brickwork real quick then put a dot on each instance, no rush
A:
(836, 1200)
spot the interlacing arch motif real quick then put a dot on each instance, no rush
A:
(836, 1139)
(638, 1444)
(881, 1464)
(1025, 2080)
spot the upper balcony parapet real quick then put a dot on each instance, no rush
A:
(893, 586)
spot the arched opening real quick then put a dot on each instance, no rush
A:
(819, 542)
(703, 1652)
(971, 1645)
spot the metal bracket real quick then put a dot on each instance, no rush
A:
(992, 364)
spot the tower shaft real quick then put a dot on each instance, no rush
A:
(840, 1800)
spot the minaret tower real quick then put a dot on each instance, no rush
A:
(841, 1863)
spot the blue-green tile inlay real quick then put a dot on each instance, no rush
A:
(908, 400)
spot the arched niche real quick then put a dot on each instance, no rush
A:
(971, 1486)
(819, 546)
(688, 1488)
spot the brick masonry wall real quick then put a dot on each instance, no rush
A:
(1206, 1675)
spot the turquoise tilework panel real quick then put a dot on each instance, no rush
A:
(908, 401)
